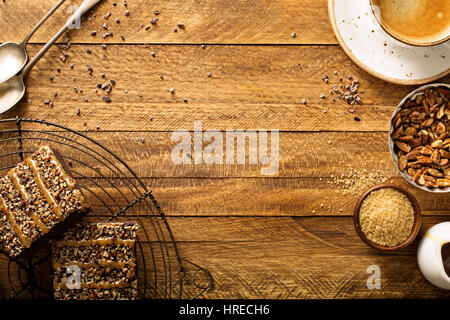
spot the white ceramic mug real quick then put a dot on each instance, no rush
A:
(429, 255)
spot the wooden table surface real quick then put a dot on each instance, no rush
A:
(287, 236)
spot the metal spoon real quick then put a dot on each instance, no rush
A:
(13, 55)
(13, 90)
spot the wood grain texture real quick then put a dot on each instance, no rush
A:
(306, 258)
(288, 236)
(291, 258)
(250, 87)
(317, 269)
(206, 21)
(246, 197)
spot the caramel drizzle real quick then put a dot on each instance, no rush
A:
(40, 183)
(14, 227)
(27, 198)
(89, 243)
(103, 285)
(102, 263)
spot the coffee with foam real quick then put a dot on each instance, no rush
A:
(415, 21)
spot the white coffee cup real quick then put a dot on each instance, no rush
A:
(429, 255)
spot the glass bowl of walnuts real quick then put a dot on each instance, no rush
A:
(419, 138)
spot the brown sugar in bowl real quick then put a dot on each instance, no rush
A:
(415, 228)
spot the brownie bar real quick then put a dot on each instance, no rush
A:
(38, 199)
(103, 255)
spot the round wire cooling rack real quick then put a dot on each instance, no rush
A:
(115, 193)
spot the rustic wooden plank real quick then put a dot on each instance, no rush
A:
(250, 87)
(301, 154)
(206, 21)
(301, 258)
(298, 258)
(271, 196)
(325, 181)
(247, 197)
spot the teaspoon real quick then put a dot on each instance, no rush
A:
(13, 90)
(13, 55)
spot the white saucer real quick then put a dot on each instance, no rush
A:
(375, 51)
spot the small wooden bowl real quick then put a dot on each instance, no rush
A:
(417, 218)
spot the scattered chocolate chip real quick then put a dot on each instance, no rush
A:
(293, 34)
(46, 101)
(181, 26)
(303, 101)
(356, 119)
(127, 13)
(78, 111)
(153, 54)
(208, 74)
(172, 90)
